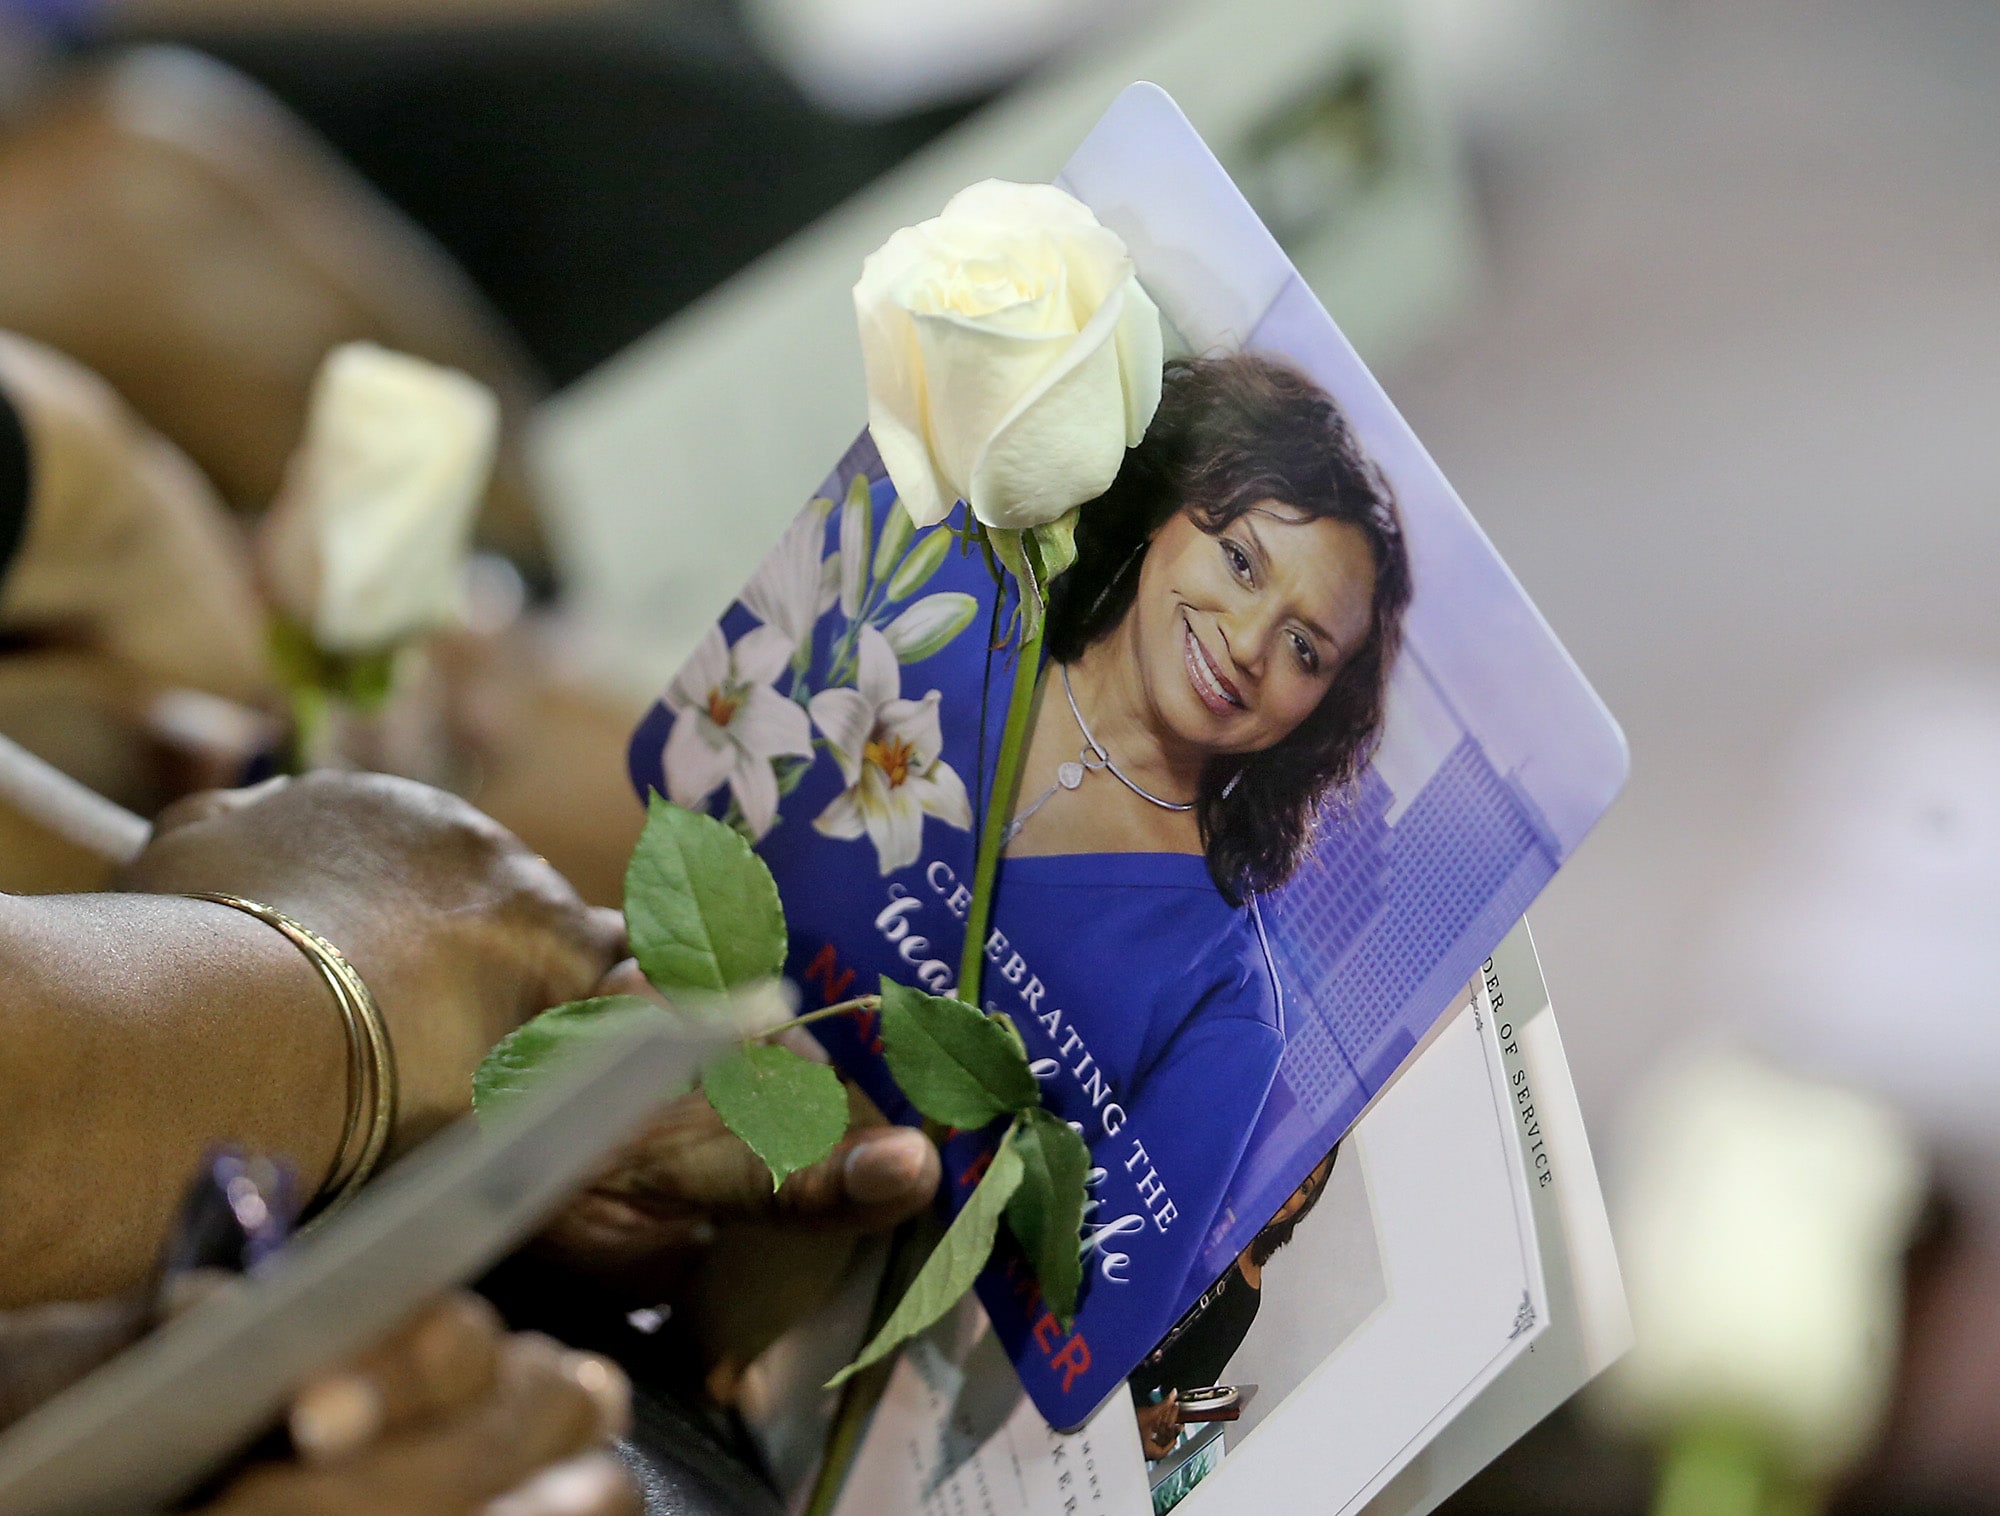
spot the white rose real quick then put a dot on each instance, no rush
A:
(1011, 356)
(366, 545)
(1761, 1235)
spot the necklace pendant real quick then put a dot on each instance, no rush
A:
(1093, 757)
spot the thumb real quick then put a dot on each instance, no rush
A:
(876, 1178)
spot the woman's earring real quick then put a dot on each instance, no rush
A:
(1234, 780)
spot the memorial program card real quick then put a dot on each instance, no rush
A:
(1399, 755)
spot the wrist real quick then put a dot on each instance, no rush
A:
(298, 1046)
(371, 1065)
(143, 1030)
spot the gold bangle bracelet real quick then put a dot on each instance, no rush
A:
(371, 1061)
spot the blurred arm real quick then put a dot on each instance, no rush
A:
(168, 223)
(126, 551)
(139, 1031)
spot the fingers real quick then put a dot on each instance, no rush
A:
(611, 1235)
(1159, 1425)
(191, 810)
(123, 525)
(644, 1226)
(604, 936)
(625, 979)
(527, 1441)
(574, 945)
(446, 1359)
(687, 1164)
(596, 1484)
(565, 946)
(549, 1404)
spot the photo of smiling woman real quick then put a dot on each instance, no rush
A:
(1218, 662)
(1218, 656)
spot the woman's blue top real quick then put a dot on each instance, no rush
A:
(1158, 997)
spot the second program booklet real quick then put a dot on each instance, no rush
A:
(1213, 1021)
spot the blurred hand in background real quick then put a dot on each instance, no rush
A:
(127, 554)
(132, 637)
(451, 1414)
(167, 223)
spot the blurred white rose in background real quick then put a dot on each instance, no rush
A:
(365, 547)
(1010, 353)
(1761, 1234)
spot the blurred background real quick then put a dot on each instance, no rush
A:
(1696, 301)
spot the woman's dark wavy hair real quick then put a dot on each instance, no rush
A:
(1230, 434)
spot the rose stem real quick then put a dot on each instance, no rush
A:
(999, 811)
(915, 1238)
(825, 1012)
(909, 1249)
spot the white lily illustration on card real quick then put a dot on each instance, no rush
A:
(731, 725)
(888, 750)
(794, 586)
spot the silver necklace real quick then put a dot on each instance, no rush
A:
(1090, 758)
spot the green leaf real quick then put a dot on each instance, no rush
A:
(701, 908)
(525, 1055)
(857, 513)
(957, 1066)
(924, 560)
(953, 1265)
(1046, 1213)
(1011, 551)
(788, 1110)
(1011, 548)
(1013, 1032)
(1055, 542)
(897, 531)
(926, 627)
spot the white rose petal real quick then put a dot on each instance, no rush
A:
(1010, 353)
(1761, 1237)
(365, 546)
(1065, 438)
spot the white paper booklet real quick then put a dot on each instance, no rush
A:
(1588, 1324)
(1440, 1299)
